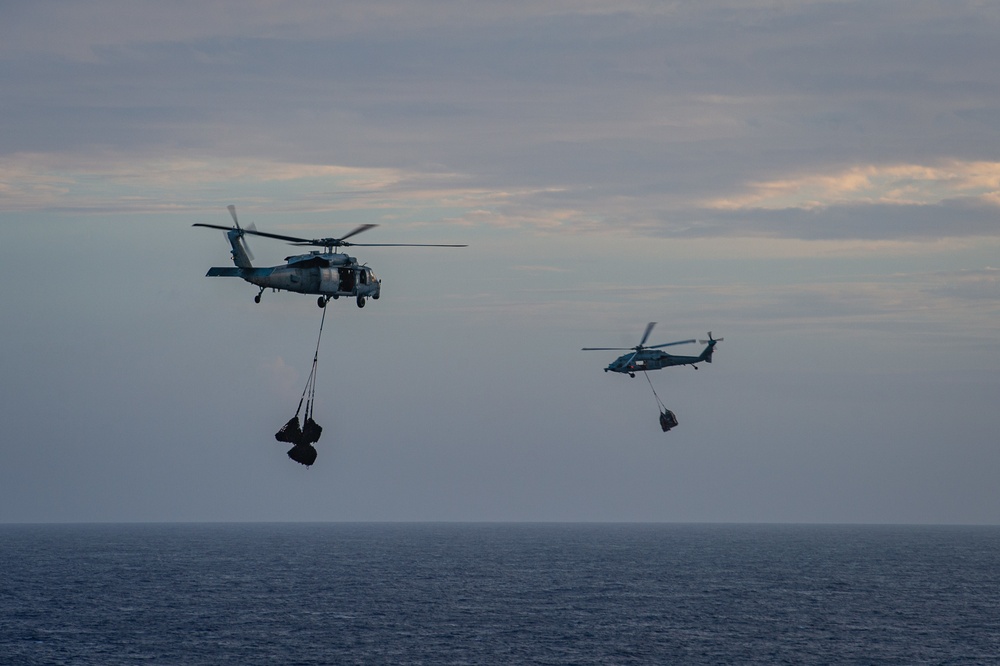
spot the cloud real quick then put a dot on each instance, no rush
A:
(82, 33)
(806, 120)
(875, 222)
(115, 182)
(111, 182)
(869, 204)
(979, 287)
(903, 184)
(898, 202)
(103, 181)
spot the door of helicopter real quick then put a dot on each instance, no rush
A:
(347, 280)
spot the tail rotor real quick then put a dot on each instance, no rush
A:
(242, 232)
(710, 349)
(710, 340)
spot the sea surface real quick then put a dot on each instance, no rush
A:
(498, 594)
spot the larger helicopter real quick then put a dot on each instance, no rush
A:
(328, 274)
(642, 358)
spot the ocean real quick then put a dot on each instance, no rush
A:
(444, 593)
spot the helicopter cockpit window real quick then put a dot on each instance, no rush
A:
(363, 276)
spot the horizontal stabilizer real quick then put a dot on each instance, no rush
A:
(233, 271)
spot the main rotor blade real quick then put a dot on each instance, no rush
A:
(252, 229)
(265, 234)
(402, 245)
(318, 242)
(358, 230)
(649, 329)
(291, 239)
(336, 242)
(214, 226)
(607, 348)
(670, 344)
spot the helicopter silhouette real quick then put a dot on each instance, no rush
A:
(645, 358)
(328, 274)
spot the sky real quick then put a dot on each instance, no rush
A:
(818, 182)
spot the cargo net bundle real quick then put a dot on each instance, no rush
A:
(303, 436)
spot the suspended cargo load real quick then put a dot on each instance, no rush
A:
(667, 419)
(305, 435)
(290, 432)
(311, 431)
(303, 453)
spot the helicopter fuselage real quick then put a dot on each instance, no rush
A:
(326, 274)
(654, 359)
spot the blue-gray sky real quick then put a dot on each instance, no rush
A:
(819, 182)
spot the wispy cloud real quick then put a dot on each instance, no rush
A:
(905, 184)
(129, 184)
(114, 181)
(121, 183)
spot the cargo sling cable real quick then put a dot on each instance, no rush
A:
(302, 438)
(667, 418)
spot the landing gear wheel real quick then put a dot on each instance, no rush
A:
(321, 301)
(361, 301)
(256, 299)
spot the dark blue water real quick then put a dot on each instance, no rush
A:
(498, 594)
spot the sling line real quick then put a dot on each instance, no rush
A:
(659, 402)
(310, 389)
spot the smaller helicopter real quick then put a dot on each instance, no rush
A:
(328, 274)
(645, 358)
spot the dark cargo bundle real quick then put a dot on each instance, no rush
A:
(667, 420)
(311, 431)
(290, 432)
(304, 454)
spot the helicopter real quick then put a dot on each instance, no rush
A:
(645, 358)
(328, 274)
